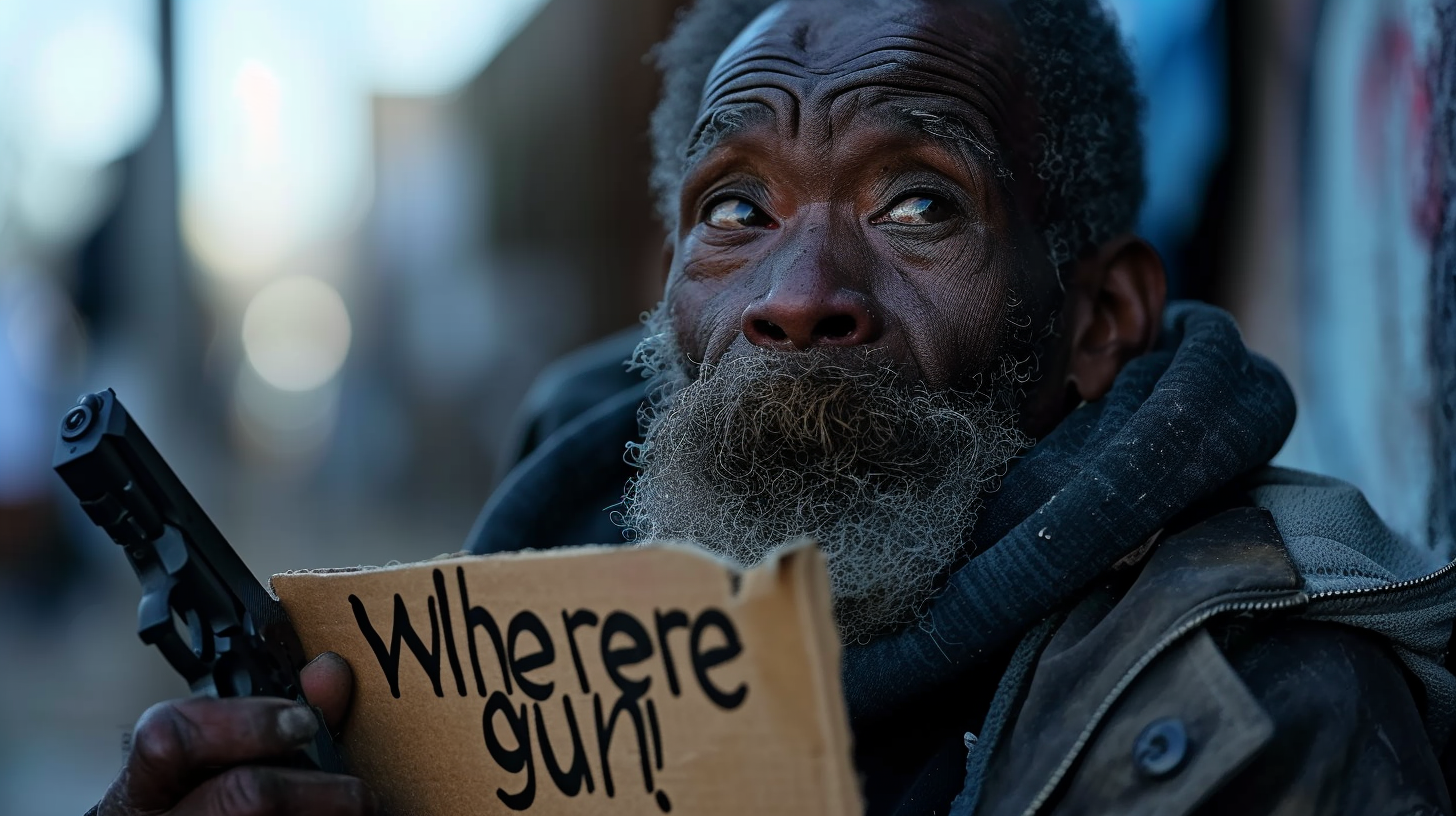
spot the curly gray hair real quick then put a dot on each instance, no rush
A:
(1090, 151)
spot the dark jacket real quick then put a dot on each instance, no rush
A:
(1272, 650)
(1201, 689)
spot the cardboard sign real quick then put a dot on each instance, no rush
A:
(594, 680)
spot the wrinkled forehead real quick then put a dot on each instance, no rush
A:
(807, 58)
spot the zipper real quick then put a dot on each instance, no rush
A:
(1250, 601)
(1398, 586)
(1288, 599)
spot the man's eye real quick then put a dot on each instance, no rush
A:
(735, 213)
(917, 210)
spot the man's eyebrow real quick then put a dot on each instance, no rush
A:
(720, 124)
(727, 121)
(953, 128)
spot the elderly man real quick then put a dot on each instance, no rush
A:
(904, 315)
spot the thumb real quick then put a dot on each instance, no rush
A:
(328, 684)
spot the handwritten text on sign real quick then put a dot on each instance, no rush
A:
(589, 680)
(674, 644)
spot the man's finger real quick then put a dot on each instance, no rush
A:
(175, 742)
(328, 683)
(253, 790)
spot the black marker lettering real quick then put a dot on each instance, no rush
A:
(616, 659)
(526, 621)
(389, 660)
(656, 735)
(581, 617)
(666, 622)
(478, 616)
(568, 782)
(512, 760)
(448, 627)
(607, 726)
(703, 660)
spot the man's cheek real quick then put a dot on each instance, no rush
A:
(927, 254)
(706, 316)
(959, 330)
(703, 259)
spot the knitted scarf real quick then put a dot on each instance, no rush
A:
(1179, 423)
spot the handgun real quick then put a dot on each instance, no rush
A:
(201, 606)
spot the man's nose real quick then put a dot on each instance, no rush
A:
(802, 317)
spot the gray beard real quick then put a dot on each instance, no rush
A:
(758, 450)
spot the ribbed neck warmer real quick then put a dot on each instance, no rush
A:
(1179, 423)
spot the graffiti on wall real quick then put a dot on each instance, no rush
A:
(1377, 243)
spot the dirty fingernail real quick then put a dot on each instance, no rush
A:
(297, 724)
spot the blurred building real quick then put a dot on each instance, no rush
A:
(320, 249)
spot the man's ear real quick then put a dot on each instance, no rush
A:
(1115, 302)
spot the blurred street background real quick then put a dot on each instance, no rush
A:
(321, 248)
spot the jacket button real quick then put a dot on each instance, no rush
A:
(1161, 749)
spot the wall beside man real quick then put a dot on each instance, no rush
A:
(1344, 270)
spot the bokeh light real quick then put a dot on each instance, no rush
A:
(80, 88)
(273, 131)
(95, 88)
(296, 333)
(283, 428)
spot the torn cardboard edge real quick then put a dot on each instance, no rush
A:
(588, 680)
(555, 552)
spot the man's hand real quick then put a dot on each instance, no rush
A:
(207, 756)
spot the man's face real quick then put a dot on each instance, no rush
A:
(855, 291)
(861, 177)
